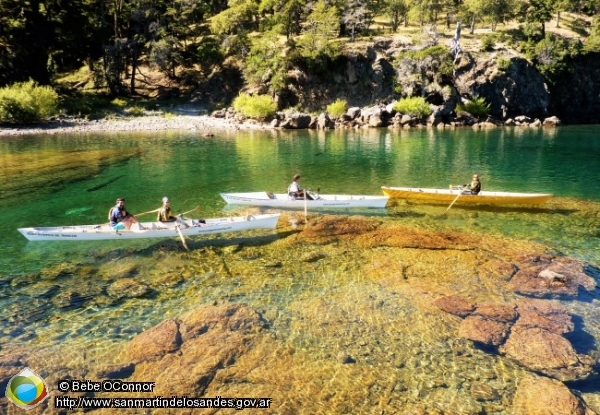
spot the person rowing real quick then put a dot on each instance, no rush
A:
(472, 188)
(165, 214)
(296, 192)
(119, 218)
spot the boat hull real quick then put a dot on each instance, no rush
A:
(152, 229)
(282, 200)
(448, 195)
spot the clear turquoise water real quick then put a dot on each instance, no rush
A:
(41, 311)
(192, 170)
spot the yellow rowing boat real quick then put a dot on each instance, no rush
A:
(448, 195)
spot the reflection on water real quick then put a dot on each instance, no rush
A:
(354, 329)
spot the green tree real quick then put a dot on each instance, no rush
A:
(397, 11)
(320, 29)
(492, 11)
(536, 12)
(265, 64)
(25, 37)
(357, 15)
(236, 18)
(288, 15)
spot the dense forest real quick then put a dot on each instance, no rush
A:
(188, 40)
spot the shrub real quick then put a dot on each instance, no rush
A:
(257, 106)
(337, 108)
(503, 63)
(488, 42)
(477, 107)
(414, 106)
(135, 111)
(27, 102)
(119, 103)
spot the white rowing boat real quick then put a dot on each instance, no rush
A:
(151, 229)
(448, 195)
(282, 200)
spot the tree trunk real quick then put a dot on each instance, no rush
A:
(134, 62)
(472, 24)
(543, 30)
(557, 19)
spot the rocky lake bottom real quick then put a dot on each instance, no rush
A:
(345, 314)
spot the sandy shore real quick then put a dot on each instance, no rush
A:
(202, 123)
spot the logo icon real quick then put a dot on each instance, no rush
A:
(26, 389)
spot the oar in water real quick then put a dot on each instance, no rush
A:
(178, 227)
(181, 236)
(455, 199)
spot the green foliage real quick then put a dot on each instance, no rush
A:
(503, 63)
(435, 58)
(234, 19)
(413, 106)
(550, 55)
(119, 103)
(321, 28)
(477, 107)
(535, 13)
(396, 10)
(592, 44)
(337, 107)
(257, 106)
(208, 54)
(135, 111)
(27, 102)
(265, 63)
(488, 42)
(85, 105)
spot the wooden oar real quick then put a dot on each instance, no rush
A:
(305, 210)
(150, 211)
(178, 226)
(181, 236)
(191, 210)
(455, 199)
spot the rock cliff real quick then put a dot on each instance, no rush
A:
(376, 75)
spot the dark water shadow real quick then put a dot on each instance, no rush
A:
(219, 241)
(582, 341)
(589, 385)
(381, 212)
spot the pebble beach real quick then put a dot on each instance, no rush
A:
(200, 123)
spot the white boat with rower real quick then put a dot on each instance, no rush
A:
(185, 227)
(283, 200)
(449, 195)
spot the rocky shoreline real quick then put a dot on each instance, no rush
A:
(229, 120)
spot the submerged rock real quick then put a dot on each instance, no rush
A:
(455, 305)
(126, 287)
(545, 352)
(156, 342)
(557, 277)
(199, 344)
(541, 395)
(483, 330)
(528, 331)
(544, 314)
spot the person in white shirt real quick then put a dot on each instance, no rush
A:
(296, 192)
